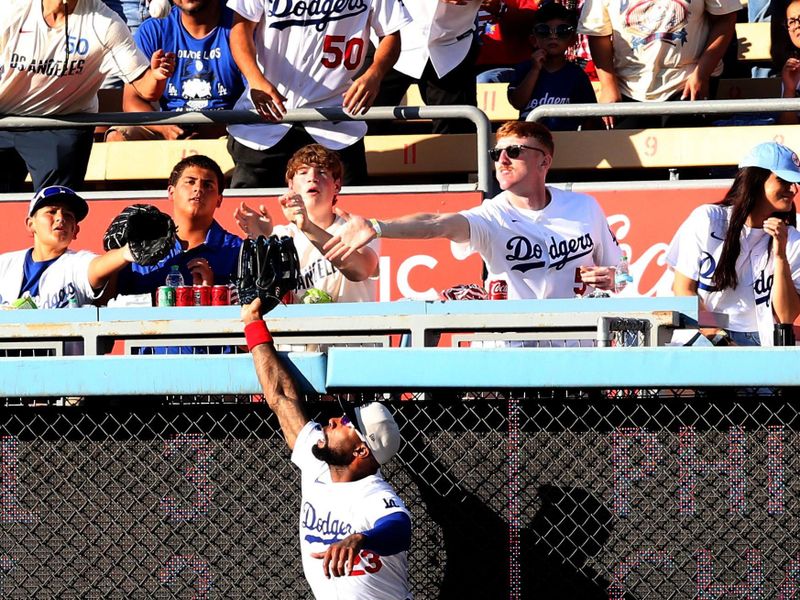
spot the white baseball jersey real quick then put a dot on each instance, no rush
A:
(332, 511)
(440, 31)
(34, 79)
(318, 272)
(540, 252)
(66, 278)
(310, 51)
(695, 251)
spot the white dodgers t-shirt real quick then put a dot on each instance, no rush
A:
(332, 511)
(66, 278)
(540, 252)
(695, 251)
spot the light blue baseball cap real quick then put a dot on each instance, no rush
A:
(774, 157)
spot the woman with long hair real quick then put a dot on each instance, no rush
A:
(741, 256)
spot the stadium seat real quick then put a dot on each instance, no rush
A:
(736, 89)
(754, 40)
(492, 99)
(386, 155)
(664, 148)
(427, 154)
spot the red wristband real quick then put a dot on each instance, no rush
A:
(256, 333)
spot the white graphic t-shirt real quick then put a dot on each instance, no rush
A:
(332, 511)
(37, 74)
(656, 42)
(318, 272)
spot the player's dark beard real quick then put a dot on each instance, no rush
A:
(332, 457)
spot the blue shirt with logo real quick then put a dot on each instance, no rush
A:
(220, 249)
(569, 85)
(206, 76)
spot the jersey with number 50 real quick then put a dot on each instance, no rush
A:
(311, 50)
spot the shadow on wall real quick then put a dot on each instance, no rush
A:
(569, 528)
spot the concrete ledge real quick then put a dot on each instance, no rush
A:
(143, 375)
(502, 368)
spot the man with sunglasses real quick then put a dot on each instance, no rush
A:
(544, 242)
(549, 77)
(355, 531)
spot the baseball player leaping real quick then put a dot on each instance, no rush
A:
(354, 529)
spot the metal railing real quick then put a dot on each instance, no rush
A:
(422, 323)
(696, 107)
(472, 113)
(578, 473)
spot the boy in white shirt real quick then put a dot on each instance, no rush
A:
(314, 176)
(49, 273)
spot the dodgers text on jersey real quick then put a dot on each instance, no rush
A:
(313, 12)
(528, 255)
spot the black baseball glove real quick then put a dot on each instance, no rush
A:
(268, 268)
(149, 233)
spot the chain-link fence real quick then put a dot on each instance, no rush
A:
(538, 494)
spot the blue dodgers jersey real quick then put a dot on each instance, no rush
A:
(206, 76)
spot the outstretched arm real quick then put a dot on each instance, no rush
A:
(358, 231)
(253, 223)
(276, 382)
(358, 266)
(104, 266)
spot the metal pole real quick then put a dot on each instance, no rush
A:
(471, 113)
(696, 107)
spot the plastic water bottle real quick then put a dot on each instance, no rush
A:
(622, 276)
(174, 278)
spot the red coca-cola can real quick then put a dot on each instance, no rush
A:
(202, 295)
(498, 290)
(220, 295)
(184, 295)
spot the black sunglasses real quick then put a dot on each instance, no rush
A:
(562, 31)
(512, 151)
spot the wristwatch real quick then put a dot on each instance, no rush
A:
(721, 338)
